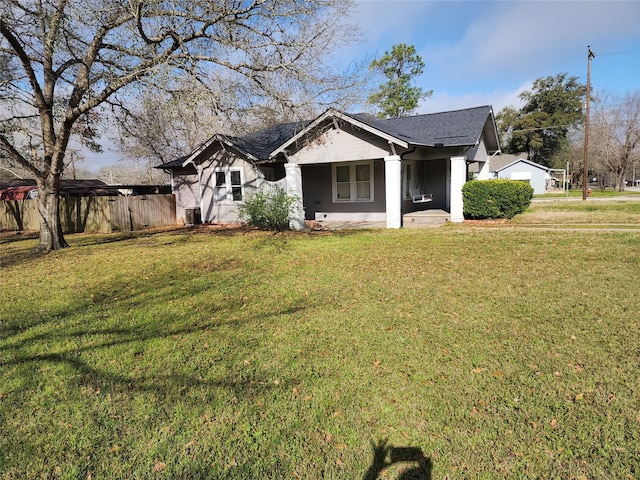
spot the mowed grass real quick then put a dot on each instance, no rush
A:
(237, 354)
(594, 213)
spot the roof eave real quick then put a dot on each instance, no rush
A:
(223, 142)
(495, 129)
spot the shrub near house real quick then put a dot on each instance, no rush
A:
(487, 199)
(269, 209)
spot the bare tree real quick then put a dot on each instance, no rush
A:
(163, 126)
(73, 57)
(616, 133)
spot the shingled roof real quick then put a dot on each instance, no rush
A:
(260, 144)
(448, 129)
(454, 128)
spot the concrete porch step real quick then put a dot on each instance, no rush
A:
(425, 218)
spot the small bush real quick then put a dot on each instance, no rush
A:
(269, 209)
(486, 199)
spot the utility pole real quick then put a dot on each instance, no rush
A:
(585, 172)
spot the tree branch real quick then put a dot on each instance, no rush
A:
(8, 147)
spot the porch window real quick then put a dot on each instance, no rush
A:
(353, 182)
(227, 185)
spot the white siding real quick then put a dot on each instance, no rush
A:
(340, 146)
(184, 185)
(225, 211)
(526, 172)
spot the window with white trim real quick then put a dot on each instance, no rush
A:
(353, 182)
(227, 185)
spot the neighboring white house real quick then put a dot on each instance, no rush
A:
(536, 175)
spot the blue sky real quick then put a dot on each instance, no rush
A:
(487, 52)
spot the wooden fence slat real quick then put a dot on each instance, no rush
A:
(94, 214)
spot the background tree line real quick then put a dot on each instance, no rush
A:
(549, 128)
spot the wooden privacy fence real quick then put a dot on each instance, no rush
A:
(94, 214)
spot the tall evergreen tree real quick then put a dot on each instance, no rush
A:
(397, 97)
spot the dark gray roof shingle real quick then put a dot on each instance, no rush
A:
(455, 128)
(261, 143)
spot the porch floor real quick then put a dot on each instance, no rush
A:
(422, 219)
(425, 218)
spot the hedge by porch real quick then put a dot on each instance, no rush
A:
(488, 199)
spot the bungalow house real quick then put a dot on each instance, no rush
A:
(538, 176)
(343, 167)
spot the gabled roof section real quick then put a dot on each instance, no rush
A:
(260, 144)
(337, 115)
(446, 129)
(224, 141)
(523, 160)
(255, 146)
(174, 163)
(451, 129)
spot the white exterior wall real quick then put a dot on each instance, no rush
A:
(481, 155)
(523, 171)
(184, 185)
(225, 211)
(335, 146)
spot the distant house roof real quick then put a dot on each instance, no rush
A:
(445, 129)
(505, 159)
(527, 162)
(18, 193)
(18, 187)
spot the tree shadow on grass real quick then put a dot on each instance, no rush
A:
(385, 455)
(58, 340)
(264, 240)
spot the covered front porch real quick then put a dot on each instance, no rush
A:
(409, 193)
(355, 168)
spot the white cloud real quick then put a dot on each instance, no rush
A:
(442, 101)
(487, 52)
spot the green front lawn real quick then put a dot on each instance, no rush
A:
(595, 192)
(231, 354)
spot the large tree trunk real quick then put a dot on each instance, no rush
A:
(621, 172)
(51, 237)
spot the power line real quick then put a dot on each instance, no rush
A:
(617, 53)
(541, 128)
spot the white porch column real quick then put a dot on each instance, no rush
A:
(458, 179)
(293, 179)
(485, 167)
(393, 188)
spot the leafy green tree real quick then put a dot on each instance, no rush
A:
(397, 97)
(541, 127)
